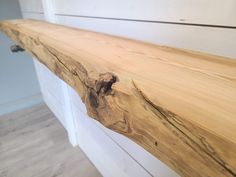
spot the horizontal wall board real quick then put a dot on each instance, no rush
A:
(38, 16)
(31, 6)
(217, 41)
(214, 12)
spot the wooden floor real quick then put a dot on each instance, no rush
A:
(34, 144)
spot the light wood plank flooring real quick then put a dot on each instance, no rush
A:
(34, 144)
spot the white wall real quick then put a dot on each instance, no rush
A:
(19, 87)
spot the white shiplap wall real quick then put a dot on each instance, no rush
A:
(190, 24)
(32, 9)
(172, 23)
(214, 12)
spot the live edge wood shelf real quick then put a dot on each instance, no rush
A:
(179, 105)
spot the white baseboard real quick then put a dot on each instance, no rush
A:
(22, 103)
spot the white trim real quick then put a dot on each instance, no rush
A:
(49, 11)
(69, 118)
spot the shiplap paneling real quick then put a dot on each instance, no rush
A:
(33, 6)
(216, 41)
(215, 12)
(38, 16)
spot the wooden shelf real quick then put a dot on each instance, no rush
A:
(179, 105)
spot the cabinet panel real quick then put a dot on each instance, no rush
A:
(51, 90)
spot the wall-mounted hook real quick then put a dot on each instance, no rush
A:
(16, 48)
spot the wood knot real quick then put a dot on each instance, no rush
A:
(156, 144)
(103, 87)
(104, 83)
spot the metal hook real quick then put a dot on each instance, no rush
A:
(16, 48)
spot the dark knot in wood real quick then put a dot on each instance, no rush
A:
(103, 86)
(104, 83)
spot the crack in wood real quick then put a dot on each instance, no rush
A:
(54, 55)
(102, 87)
(167, 116)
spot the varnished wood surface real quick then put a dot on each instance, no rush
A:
(34, 144)
(178, 105)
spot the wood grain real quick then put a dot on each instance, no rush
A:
(179, 105)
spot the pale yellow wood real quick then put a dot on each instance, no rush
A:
(179, 105)
(33, 143)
